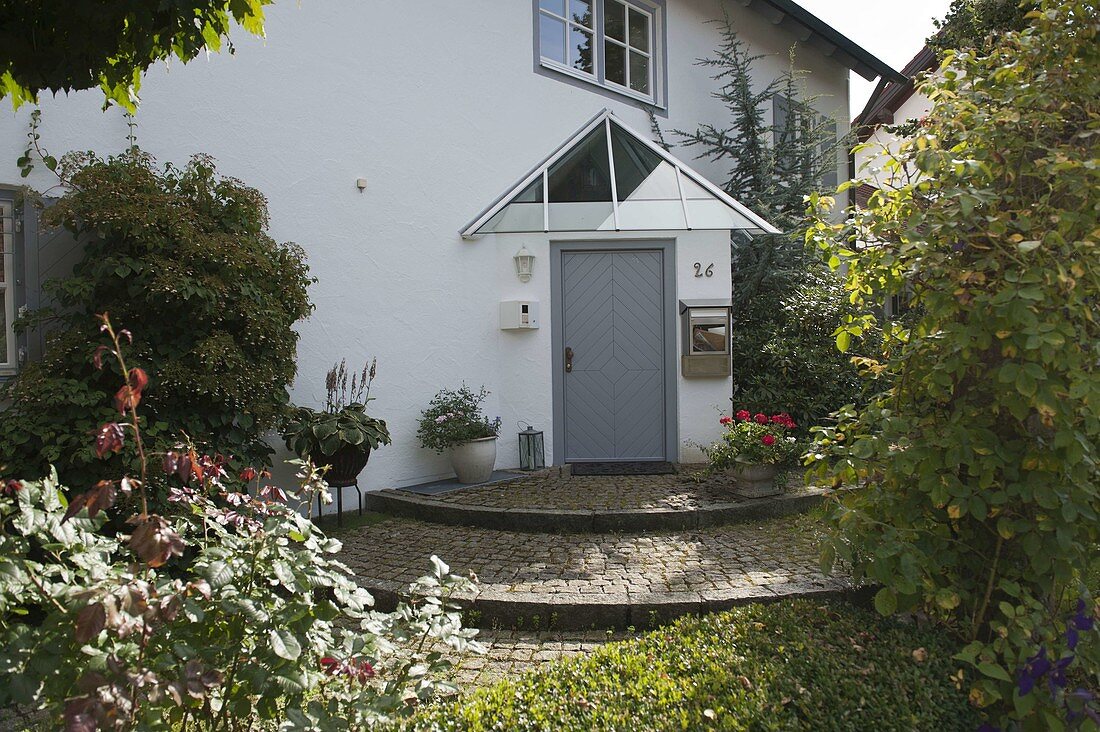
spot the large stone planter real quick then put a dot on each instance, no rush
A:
(473, 461)
(755, 481)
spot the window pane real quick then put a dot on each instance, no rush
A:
(581, 12)
(614, 22)
(554, 6)
(639, 30)
(582, 174)
(614, 63)
(580, 49)
(639, 72)
(709, 337)
(551, 38)
(524, 213)
(638, 170)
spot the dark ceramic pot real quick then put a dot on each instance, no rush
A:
(345, 465)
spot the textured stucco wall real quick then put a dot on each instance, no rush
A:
(436, 104)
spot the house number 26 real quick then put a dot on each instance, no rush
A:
(700, 272)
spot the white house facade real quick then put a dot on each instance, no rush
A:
(414, 149)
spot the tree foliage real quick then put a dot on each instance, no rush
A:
(979, 491)
(976, 23)
(786, 302)
(180, 257)
(83, 44)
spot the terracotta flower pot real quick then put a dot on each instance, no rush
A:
(473, 461)
(755, 481)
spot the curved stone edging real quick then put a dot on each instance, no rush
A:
(615, 611)
(404, 504)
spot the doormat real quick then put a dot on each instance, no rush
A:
(636, 468)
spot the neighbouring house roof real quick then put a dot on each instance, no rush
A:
(608, 177)
(890, 95)
(819, 34)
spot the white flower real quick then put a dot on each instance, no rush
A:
(441, 419)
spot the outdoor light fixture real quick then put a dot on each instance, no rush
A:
(532, 455)
(525, 262)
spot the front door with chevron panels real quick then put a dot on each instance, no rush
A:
(613, 332)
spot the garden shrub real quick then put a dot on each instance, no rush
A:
(794, 665)
(231, 614)
(179, 256)
(980, 488)
(784, 350)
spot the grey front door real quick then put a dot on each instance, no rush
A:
(613, 333)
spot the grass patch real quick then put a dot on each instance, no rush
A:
(794, 665)
(352, 521)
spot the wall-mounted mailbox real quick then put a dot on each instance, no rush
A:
(705, 343)
(519, 315)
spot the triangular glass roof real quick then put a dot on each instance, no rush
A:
(607, 177)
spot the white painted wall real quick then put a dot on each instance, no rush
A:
(437, 105)
(883, 144)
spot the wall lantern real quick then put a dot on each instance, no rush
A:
(525, 262)
(532, 454)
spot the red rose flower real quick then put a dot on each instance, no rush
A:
(761, 418)
(725, 420)
(768, 440)
(743, 415)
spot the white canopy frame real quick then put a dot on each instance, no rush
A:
(754, 224)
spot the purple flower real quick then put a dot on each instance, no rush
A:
(1034, 669)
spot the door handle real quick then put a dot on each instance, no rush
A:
(568, 360)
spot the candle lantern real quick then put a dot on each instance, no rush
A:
(532, 454)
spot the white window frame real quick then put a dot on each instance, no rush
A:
(654, 12)
(628, 49)
(7, 241)
(570, 24)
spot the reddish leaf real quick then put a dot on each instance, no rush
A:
(90, 621)
(98, 498)
(109, 439)
(154, 541)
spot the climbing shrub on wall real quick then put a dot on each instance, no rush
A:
(979, 466)
(179, 256)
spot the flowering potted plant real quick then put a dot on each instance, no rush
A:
(751, 448)
(454, 421)
(341, 437)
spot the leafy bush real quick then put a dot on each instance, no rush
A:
(754, 439)
(454, 417)
(784, 350)
(981, 491)
(231, 613)
(794, 665)
(181, 257)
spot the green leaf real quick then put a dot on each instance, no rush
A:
(994, 671)
(284, 644)
(886, 601)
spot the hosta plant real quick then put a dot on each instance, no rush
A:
(232, 615)
(344, 422)
(753, 439)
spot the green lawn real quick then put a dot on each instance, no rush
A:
(795, 665)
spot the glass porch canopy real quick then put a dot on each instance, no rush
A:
(607, 177)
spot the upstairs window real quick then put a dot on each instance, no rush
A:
(793, 118)
(611, 43)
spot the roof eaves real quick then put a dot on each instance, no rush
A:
(811, 29)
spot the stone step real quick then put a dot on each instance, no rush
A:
(542, 581)
(557, 503)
